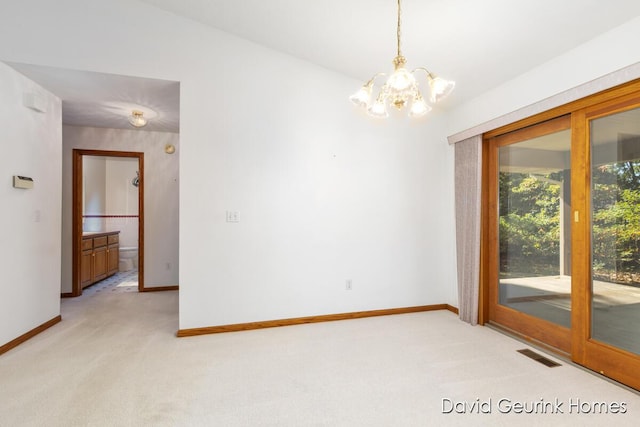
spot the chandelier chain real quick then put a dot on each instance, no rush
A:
(401, 88)
(399, 30)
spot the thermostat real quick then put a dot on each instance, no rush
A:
(22, 182)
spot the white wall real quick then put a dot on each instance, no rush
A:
(323, 193)
(94, 192)
(30, 250)
(107, 190)
(161, 196)
(121, 194)
(607, 53)
(122, 198)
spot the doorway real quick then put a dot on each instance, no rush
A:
(561, 231)
(108, 226)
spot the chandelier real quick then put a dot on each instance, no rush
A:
(401, 88)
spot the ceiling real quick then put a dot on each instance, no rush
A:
(479, 44)
(106, 100)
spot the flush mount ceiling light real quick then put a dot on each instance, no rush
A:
(137, 119)
(401, 88)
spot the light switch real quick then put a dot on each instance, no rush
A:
(232, 216)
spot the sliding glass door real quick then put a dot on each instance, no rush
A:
(532, 292)
(608, 340)
(615, 229)
(561, 231)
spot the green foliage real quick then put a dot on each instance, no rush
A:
(529, 224)
(616, 221)
(529, 215)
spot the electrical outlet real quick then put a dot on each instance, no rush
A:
(349, 285)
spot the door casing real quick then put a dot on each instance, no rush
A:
(78, 155)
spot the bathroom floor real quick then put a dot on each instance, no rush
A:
(125, 281)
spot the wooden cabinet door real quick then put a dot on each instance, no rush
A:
(113, 259)
(99, 263)
(86, 264)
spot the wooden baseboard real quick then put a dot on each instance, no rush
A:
(161, 288)
(32, 333)
(452, 309)
(310, 319)
(67, 295)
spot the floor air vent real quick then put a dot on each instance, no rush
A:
(539, 358)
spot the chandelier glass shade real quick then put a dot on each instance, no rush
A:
(401, 88)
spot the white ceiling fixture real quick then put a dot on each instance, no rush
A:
(401, 88)
(137, 119)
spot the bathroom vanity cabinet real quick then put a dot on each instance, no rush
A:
(100, 256)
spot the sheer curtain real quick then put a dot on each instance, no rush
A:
(468, 177)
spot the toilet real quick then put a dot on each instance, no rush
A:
(128, 258)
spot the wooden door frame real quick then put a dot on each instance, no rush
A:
(529, 326)
(605, 358)
(77, 208)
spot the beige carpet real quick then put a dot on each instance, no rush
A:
(114, 360)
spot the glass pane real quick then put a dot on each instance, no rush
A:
(615, 229)
(534, 229)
